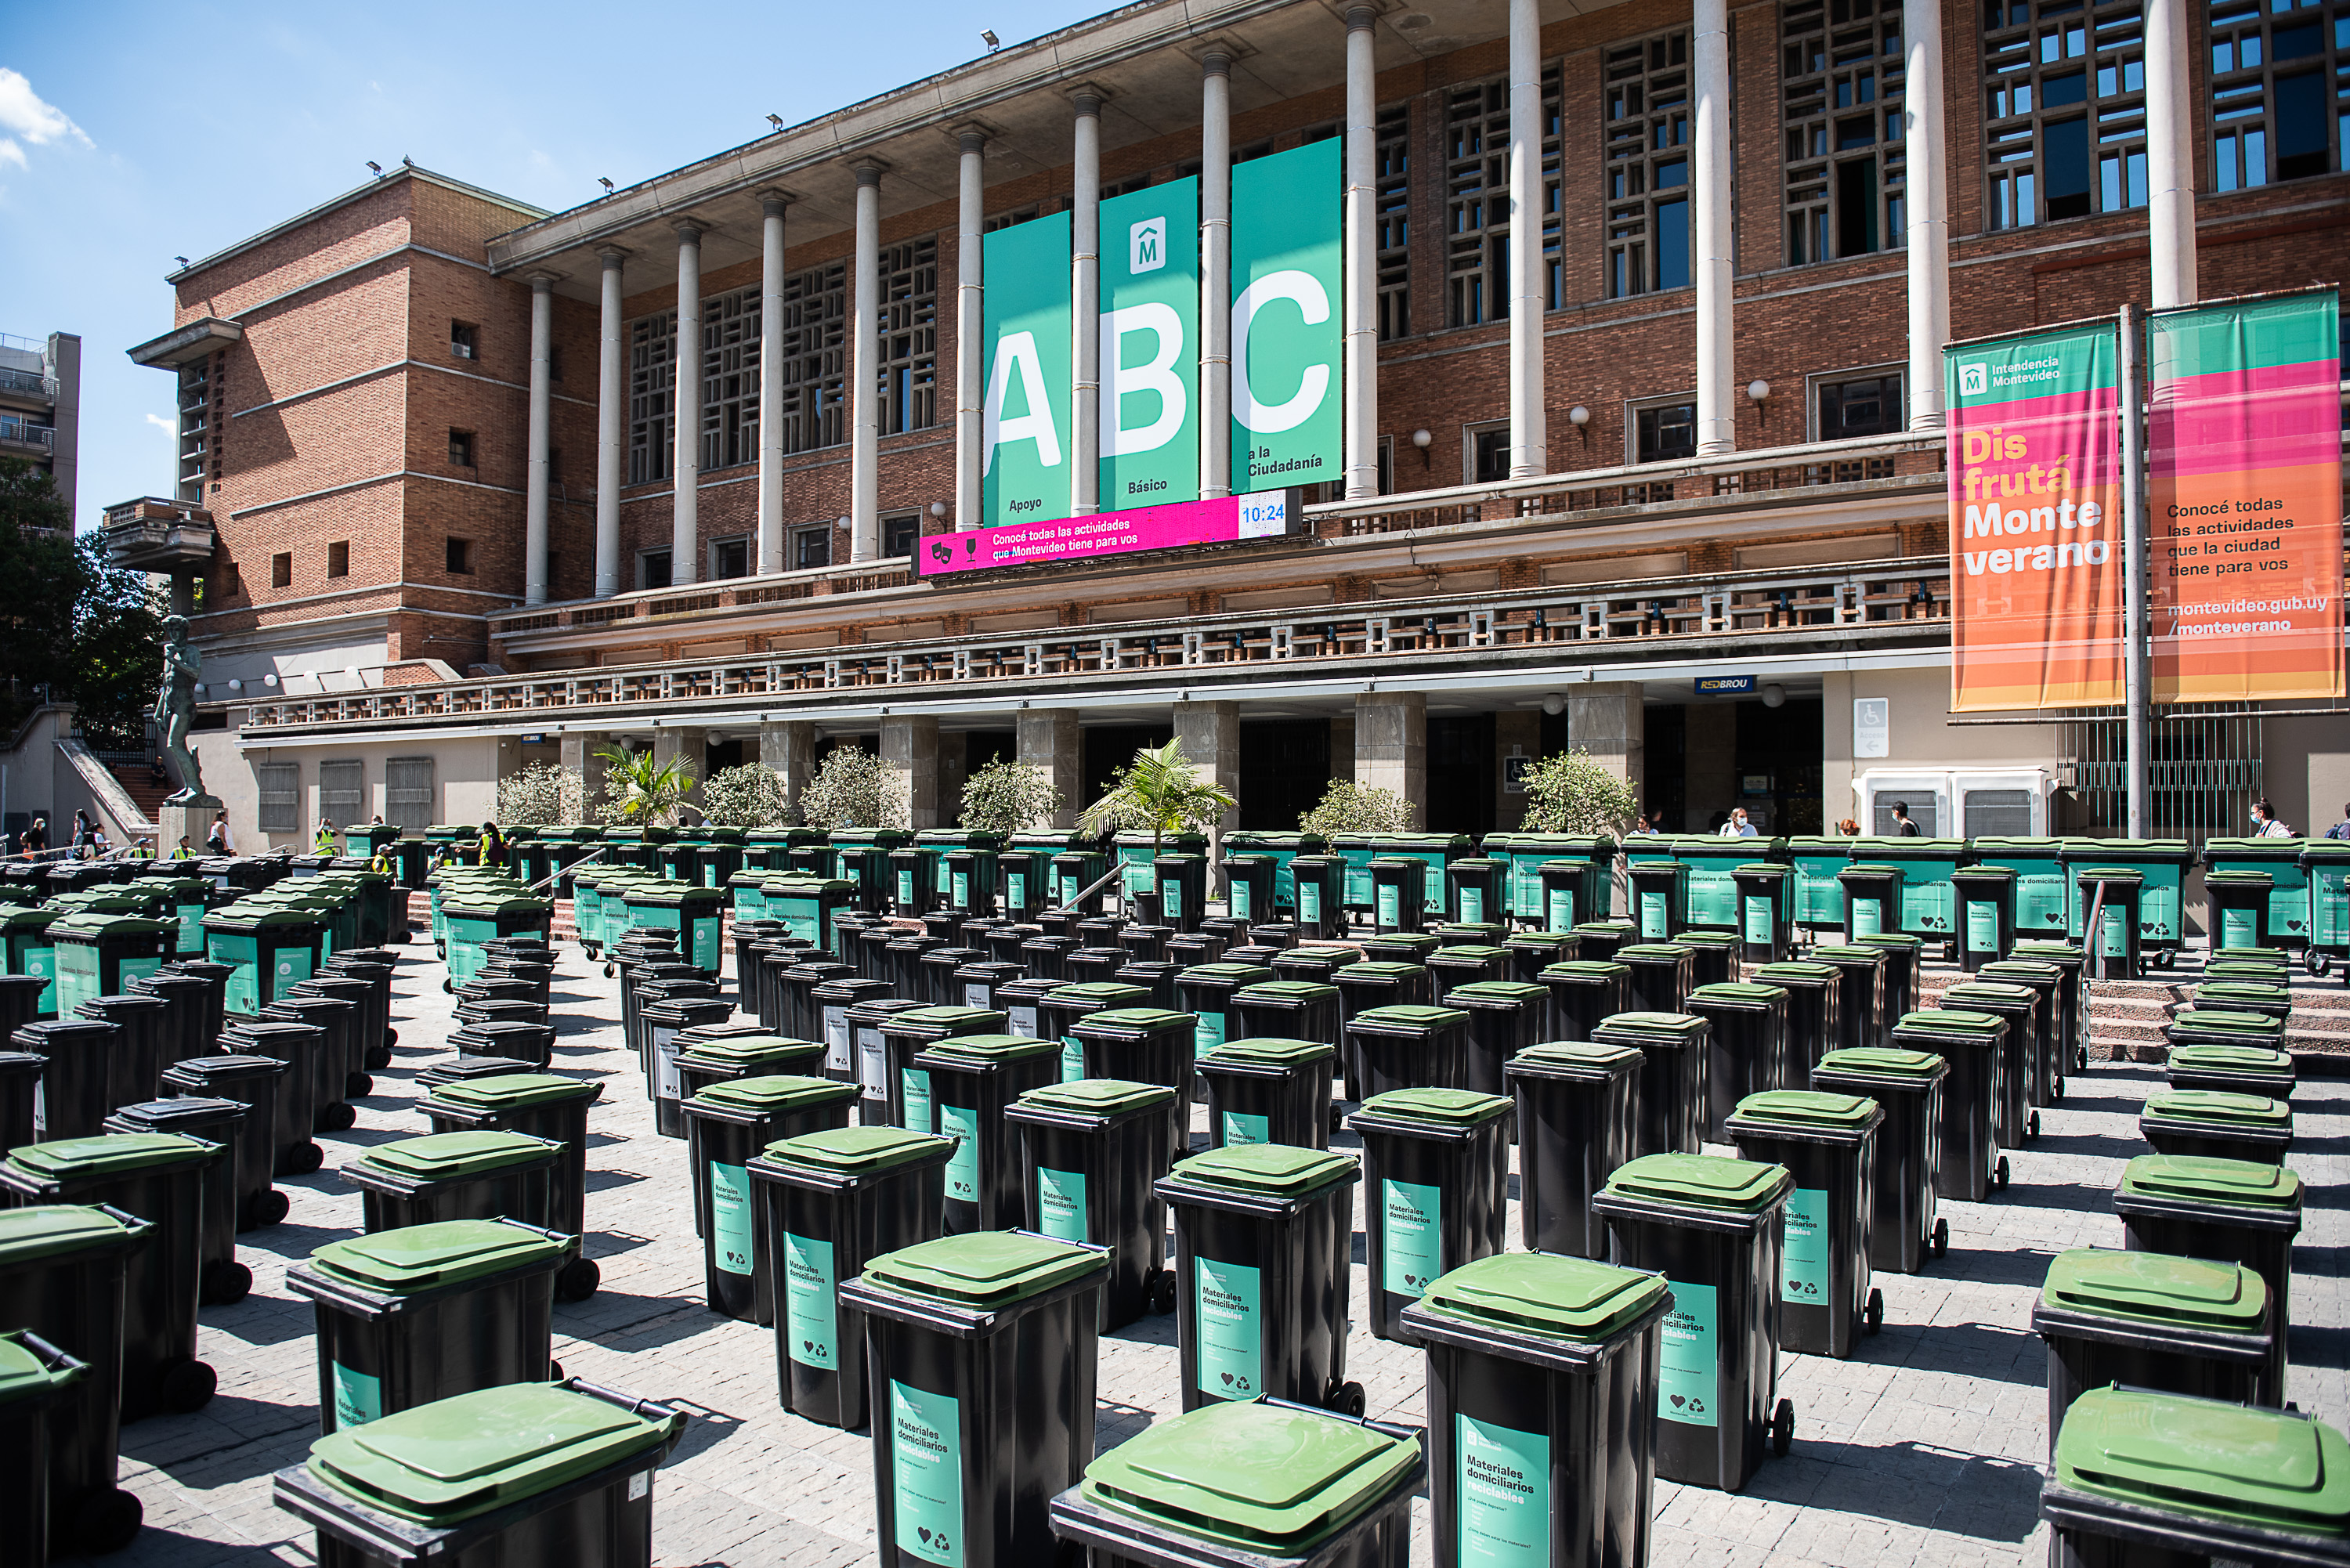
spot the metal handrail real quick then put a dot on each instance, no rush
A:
(2088, 970)
(597, 854)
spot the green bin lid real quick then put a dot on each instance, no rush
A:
(1518, 993)
(1382, 969)
(2239, 878)
(1543, 1293)
(1585, 971)
(1870, 869)
(947, 1018)
(1886, 1062)
(1895, 942)
(1439, 1107)
(995, 1050)
(1141, 1020)
(1411, 1016)
(2223, 992)
(1950, 1022)
(24, 1374)
(2154, 1287)
(773, 1092)
(1700, 1180)
(1269, 1169)
(1101, 993)
(90, 926)
(1470, 953)
(1605, 928)
(855, 1151)
(1797, 971)
(2272, 1469)
(512, 1091)
(1653, 1025)
(1097, 1096)
(736, 1053)
(437, 1464)
(42, 1230)
(2222, 1060)
(421, 1257)
(2201, 1179)
(2222, 1021)
(1841, 952)
(1989, 995)
(443, 1157)
(1293, 993)
(1270, 1051)
(1578, 1055)
(1652, 952)
(1232, 974)
(2220, 1107)
(110, 1154)
(1807, 1108)
(982, 1269)
(1723, 939)
(1745, 995)
(1271, 1481)
(2020, 971)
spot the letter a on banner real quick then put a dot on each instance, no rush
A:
(2244, 499)
(2035, 520)
(1288, 322)
(1151, 346)
(1024, 427)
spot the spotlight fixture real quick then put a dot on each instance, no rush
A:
(776, 121)
(374, 168)
(182, 260)
(990, 39)
(606, 184)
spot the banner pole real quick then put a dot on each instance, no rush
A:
(2135, 630)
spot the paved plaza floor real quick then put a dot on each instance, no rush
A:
(1925, 1447)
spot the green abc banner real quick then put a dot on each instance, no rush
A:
(1151, 346)
(1025, 428)
(1288, 326)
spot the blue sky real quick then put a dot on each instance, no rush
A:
(130, 133)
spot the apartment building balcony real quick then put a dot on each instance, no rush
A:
(24, 438)
(28, 385)
(153, 534)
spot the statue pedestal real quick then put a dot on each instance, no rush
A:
(190, 819)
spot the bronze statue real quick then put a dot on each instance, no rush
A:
(175, 707)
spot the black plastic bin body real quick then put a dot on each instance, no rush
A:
(2025, 1013)
(222, 1280)
(972, 1080)
(1974, 1044)
(1504, 1018)
(1828, 1142)
(1676, 1053)
(1584, 992)
(1435, 1187)
(1749, 1044)
(1908, 1087)
(1898, 990)
(1206, 991)
(2231, 1211)
(78, 1055)
(141, 1054)
(1406, 1047)
(20, 1086)
(295, 1047)
(1090, 1156)
(663, 1022)
(1986, 900)
(734, 1122)
(1766, 911)
(35, 1377)
(1578, 1120)
(1660, 975)
(1268, 1091)
(460, 1175)
(2048, 1061)
(1815, 1014)
(550, 1105)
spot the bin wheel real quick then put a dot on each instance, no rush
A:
(609, 971)
(187, 1386)
(577, 1280)
(2060, 1086)
(1873, 1317)
(2034, 1131)
(390, 1039)
(226, 1282)
(105, 1522)
(2081, 1059)
(555, 1371)
(335, 1116)
(357, 1086)
(1999, 1175)
(269, 1207)
(1347, 1399)
(1162, 1291)
(2317, 962)
(1783, 1428)
(305, 1159)
(449, 988)
(1941, 1238)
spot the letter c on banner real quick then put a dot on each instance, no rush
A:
(1305, 291)
(1153, 377)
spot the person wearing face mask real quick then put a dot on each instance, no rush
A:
(2265, 824)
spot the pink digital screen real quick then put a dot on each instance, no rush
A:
(1265, 515)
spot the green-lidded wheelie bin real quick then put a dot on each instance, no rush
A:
(2025, 1013)
(1872, 898)
(1408, 1047)
(1986, 914)
(832, 1202)
(2217, 1124)
(1746, 1040)
(2158, 899)
(2272, 1000)
(1584, 993)
(35, 1377)
(1206, 990)
(1396, 884)
(1138, 857)
(1434, 851)
(1585, 862)
(1828, 1142)
(551, 1105)
(1146, 1044)
(1541, 1409)
(1024, 870)
(1268, 1091)
(531, 1472)
(1660, 975)
(1264, 1251)
(1505, 1017)
(1717, 900)
(188, 899)
(1714, 956)
(26, 934)
(2145, 1480)
(733, 1122)
(906, 1100)
(1930, 900)
(299, 1108)
(1531, 952)
(223, 1281)
(1466, 964)
(808, 904)
(968, 874)
(1818, 895)
(1907, 1086)
(1288, 1009)
(1182, 887)
(1712, 1228)
(267, 951)
(2239, 909)
(1659, 898)
(1319, 883)
(1899, 990)
(2047, 1063)
(1284, 850)
(62, 1268)
(1248, 1486)
(1248, 887)
(454, 1176)
(2148, 1320)
(100, 955)
(708, 1057)
(1089, 1154)
(418, 1314)
(2202, 1057)
(1571, 891)
(963, 1474)
(1476, 890)
(1766, 910)
(1598, 941)
(1675, 1062)
(480, 914)
(1974, 1046)
(2325, 864)
(1579, 1119)
(1436, 1166)
(2289, 902)
(2043, 891)
(696, 913)
(972, 1080)
(1057, 1013)
(1815, 1014)
(2230, 1210)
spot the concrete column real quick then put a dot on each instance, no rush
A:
(1929, 207)
(789, 748)
(685, 528)
(690, 745)
(771, 385)
(864, 372)
(910, 768)
(1709, 764)
(1211, 735)
(1529, 426)
(577, 753)
(1342, 747)
(971, 328)
(1362, 363)
(611, 424)
(1607, 722)
(1392, 747)
(1215, 275)
(2170, 119)
(1717, 402)
(542, 352)
(1084, 310)
(1051, 742)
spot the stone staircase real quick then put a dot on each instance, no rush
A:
(141, 786)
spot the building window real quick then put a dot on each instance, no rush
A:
(464, 340)
(1840, 98)
(460, 449)
(652, 397)
(1647, 109)
(1663, 429)
(1477, 198)
(461, 558)
(1006, 220)
(729, 558)
(1485, 452)
(730, 379)
(652, 569)
(408, 792)
(1391, 215)
(1253, 149)
(900, 536)
(2280, 90)
(811, 547)
(1387, 465)
(340, 786)
(280, 569)
(278, 789)
(2064, 109)
(1849, 405)
(339, 558)
(910, 336)
(811, 400)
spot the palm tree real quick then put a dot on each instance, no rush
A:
(644, 791)
(1158, 790)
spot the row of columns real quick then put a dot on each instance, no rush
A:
(2171, 224)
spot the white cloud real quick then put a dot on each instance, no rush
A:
(11, 153)
(24, 113)
(169, 427)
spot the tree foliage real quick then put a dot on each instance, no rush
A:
(541, 795)
(1009, 798)
(1349, 807)
(77, 628)
(1158, 793)
(1569, 792)
(642, 792)
(751, 796)
(847, 792)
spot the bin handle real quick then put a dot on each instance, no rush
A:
(635, 1405)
